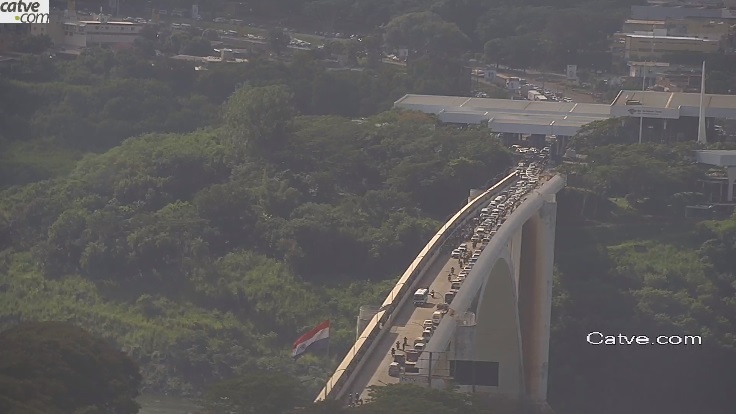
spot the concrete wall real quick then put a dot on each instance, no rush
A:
(535, 298)
(497, 337)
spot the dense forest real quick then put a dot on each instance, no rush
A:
(202, 254)
(200, 220)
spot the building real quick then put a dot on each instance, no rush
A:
(679, 81)
(700, 28)
(635, 26)
(664, 12)
(666, 117)
(67, 32)
(646, 69)
(653, 47)
(226, 56)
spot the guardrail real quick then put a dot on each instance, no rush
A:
(381, 322)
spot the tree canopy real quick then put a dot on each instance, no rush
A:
(54, 367)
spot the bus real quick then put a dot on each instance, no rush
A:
(421, 296)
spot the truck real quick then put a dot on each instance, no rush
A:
(532, 95)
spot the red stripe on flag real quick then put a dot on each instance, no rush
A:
(310, 334)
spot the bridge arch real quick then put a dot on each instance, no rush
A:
(497, 338)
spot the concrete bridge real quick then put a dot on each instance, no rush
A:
(495, 337)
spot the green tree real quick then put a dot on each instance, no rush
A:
(410, 399)
(196, 46)
(426, 33)
(260, 118)
(257, 392)
(32, 44)
(55, 367)
(278, 40)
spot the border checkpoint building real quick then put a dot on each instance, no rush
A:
(669, 116)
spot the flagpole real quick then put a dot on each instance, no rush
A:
(701, 114)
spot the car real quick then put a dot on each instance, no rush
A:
(455, 254)
(427, 324)
(436, 317)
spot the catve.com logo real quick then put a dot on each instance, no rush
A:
(24, 11)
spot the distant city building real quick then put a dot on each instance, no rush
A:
(664, 12)
(713, 29)
(640, 47)
(66, 31)
(226, 56)
(646, 69)
(634, 26)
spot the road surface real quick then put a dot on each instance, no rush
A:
(408, 323)
(409, 319)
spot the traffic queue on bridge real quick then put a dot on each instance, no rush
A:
(477, 234)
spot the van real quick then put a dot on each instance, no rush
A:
(436, 317)
(394, 370)
(449, 296)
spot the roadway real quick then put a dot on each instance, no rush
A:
(407, 323)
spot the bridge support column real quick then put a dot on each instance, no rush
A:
(535, 298)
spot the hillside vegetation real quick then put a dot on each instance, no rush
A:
(204, 254)
(203, 246)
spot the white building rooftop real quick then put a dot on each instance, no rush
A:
(563, 118)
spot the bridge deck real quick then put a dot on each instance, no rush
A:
(408, 323)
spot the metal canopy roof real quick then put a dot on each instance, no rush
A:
(527, 117)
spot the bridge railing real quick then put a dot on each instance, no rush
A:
(380, 323)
